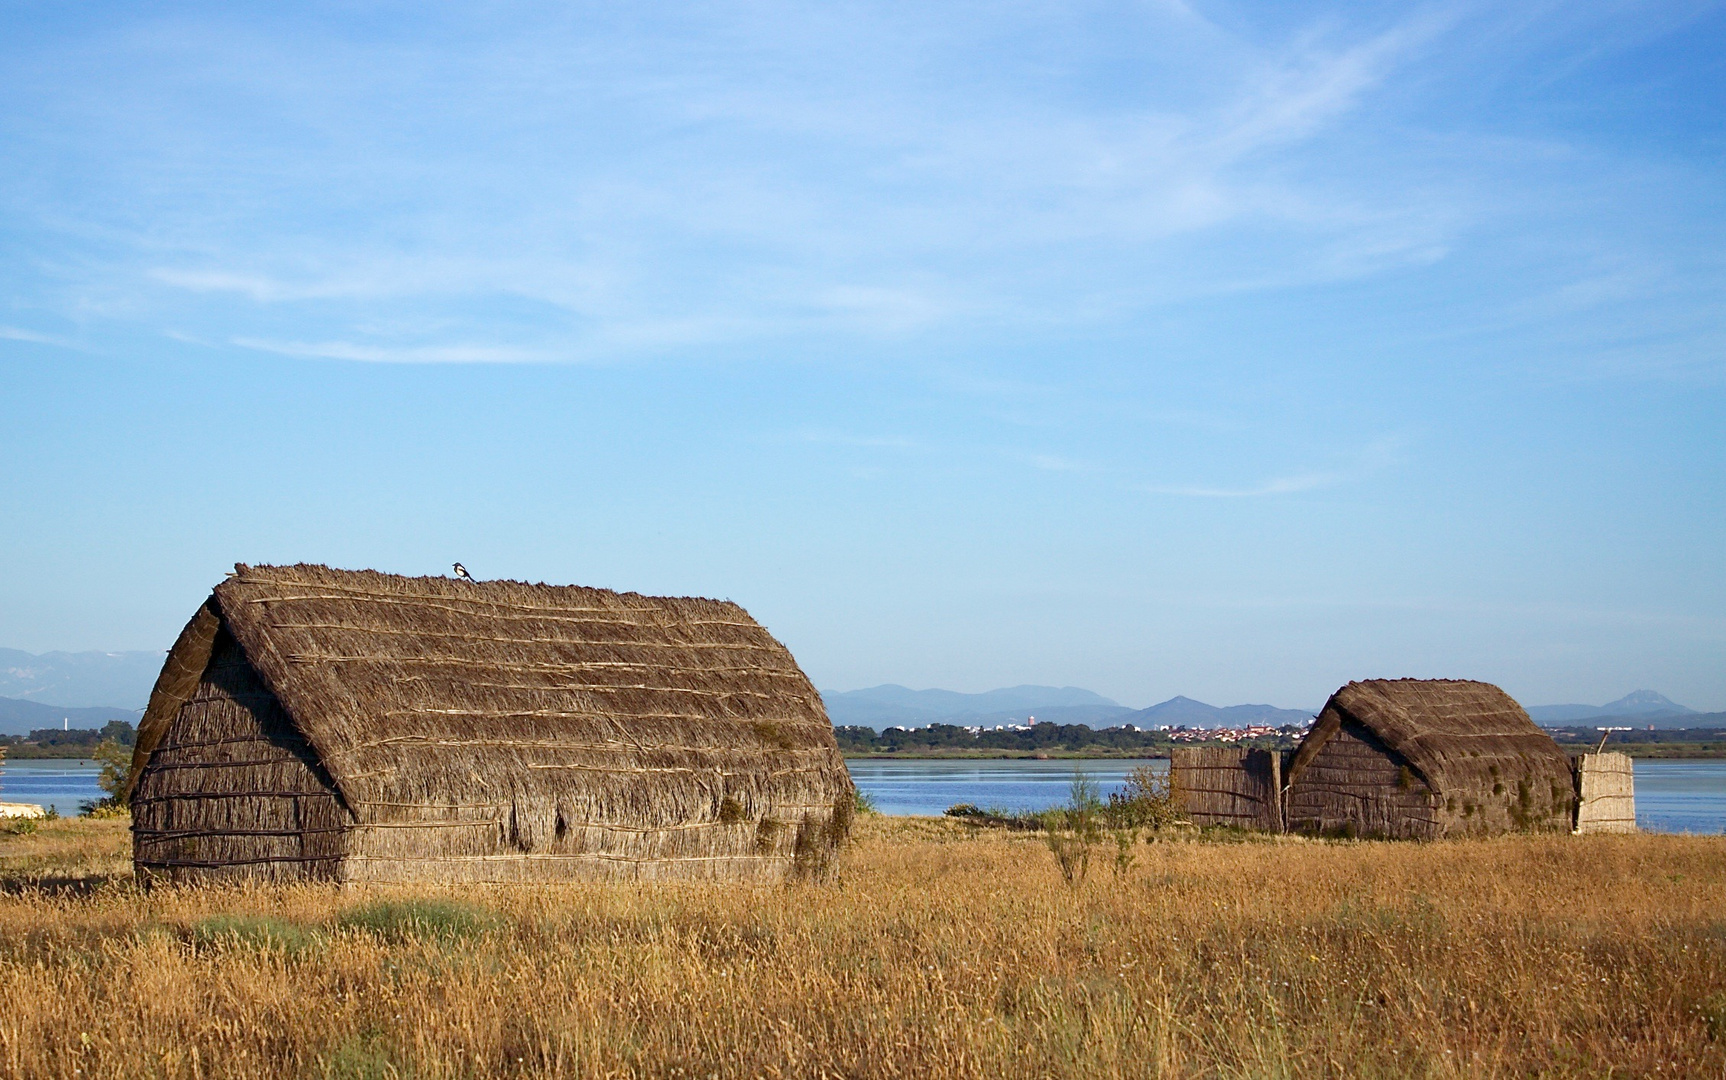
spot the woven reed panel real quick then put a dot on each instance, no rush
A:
(1606, 793)
(1226, 785)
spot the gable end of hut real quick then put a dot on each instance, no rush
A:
(229, 789)
(1347, 782)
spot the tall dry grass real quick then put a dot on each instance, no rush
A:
(938, 951)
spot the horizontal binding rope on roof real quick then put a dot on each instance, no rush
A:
(508, 612)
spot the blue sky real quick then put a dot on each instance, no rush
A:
(1233, 350)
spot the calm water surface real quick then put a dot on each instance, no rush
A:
(1671, 796)
(52, 783)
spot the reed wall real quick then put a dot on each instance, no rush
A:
(1606, 793)
(1229, 785)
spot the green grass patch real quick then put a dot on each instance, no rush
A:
(260, 932)
(423, 920)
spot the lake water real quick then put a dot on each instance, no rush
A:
(1671, 796)
(58, 784)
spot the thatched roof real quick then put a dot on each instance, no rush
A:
(432, 692)
(1456, 734)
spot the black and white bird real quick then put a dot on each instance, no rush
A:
(461, 572)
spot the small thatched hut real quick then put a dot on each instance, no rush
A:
(348, 726)
(1422, 759)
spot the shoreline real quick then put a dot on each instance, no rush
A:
(1672, 752)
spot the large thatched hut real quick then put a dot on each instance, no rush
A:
(349, 726)
(1421, 758)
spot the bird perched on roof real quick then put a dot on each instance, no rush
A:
(461, 572)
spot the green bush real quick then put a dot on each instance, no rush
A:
(1148, 800)
(18, 826)
(116, 764)
(1074, 831)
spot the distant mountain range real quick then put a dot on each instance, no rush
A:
(1644, 705)
(120, 680)
(1184, 711)
(885, 706)
(22, 717)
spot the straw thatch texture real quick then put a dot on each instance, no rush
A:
(1224, 785)
(1420, 758)
(1606, 793)
(498, 731)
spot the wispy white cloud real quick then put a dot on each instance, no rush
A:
(1284, 485)
(836, 191)
(1368, 461)
(16, 333)
(397, 354)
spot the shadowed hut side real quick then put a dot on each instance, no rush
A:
(1421, 759)
(353, 726)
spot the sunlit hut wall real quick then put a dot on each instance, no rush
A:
(1423, 759)
(313, 723)
(1605, 793)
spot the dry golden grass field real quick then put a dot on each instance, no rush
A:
(937, 952)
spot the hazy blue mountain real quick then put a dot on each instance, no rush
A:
(119, 680)
(884, 706)
(1095, 716)
(1184, 711)
(1645, 704)
(22, 717)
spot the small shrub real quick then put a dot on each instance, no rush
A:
(19, 826)
(1071, 833)
(116, 764)
(865, 805)
(1148, 800)
(404, 920)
